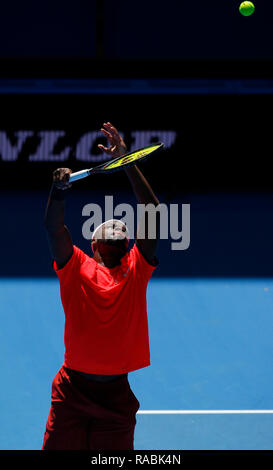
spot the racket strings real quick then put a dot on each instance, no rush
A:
(130, 158)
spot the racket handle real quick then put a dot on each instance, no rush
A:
(79, 175)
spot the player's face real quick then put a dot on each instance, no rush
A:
(113, 244)
(111, 254)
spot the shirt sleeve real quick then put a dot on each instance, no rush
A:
(141, 264)
(71, 269)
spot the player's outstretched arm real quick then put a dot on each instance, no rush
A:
(141, 188)
(145, 196)
(60, 242)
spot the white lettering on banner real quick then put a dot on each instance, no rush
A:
(45, 150)
(143, 138)
(83, 152)
(9, 152)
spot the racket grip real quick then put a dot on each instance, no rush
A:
(79, 175)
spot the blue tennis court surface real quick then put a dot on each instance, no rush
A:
(211, 350)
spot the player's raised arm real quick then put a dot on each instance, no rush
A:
(60, 242)
(142, 190)
(145, 196)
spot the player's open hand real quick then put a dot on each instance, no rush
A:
(117, 144)
(61, 178)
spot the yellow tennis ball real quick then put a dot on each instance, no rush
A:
(246, 8)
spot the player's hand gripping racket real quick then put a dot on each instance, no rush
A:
(119, 163)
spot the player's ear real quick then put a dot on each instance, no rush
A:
(94, 245)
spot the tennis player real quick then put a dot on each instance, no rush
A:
(106, 326)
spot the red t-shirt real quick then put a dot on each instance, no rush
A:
(106, 325)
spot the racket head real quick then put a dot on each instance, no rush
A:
(128, 159)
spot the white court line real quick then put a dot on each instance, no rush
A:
(201, 412)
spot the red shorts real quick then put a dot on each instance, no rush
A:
(89, 415)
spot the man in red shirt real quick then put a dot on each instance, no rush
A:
(106, 326)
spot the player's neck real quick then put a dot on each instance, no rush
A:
(108, 262)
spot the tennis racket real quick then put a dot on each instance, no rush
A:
(119, 163)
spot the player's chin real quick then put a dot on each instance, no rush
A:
(116, 249)
(112, 257)
(119, 241)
